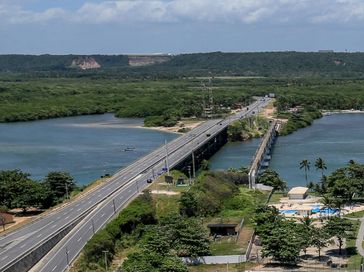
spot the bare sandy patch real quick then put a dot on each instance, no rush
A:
(164, 192)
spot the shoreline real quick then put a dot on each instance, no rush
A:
(174, 129)
(328, 113)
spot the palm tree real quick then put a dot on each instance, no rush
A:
(305, 164)
(320, 165)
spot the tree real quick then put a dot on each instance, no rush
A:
(266, 217)
(285, 242)
(306, 232)
(148, 261)
(305, 164)
(320, 165)
(205, 165)
(339, 227)
(272, 178)
(319, 238)
(188, 205)
(60, 184)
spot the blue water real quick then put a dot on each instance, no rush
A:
(85, 146)
(234, 155)
(336, 139)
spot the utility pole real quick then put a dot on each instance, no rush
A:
(189, 173)
(113, 204)
(67, 257)
(67, 196)
(93, 226)
(193, 165)
(167, 160)
(105, 252)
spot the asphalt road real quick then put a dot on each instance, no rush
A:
(99, 206)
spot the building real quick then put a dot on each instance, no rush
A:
(298, 193)
(222, 229)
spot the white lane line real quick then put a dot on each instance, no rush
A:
(5, 257)
(79, 239)
(55, 225)
(102, 214)
(71, 209)
(67, 217)
(23, 245)
(54, 268)
(39, 235)
(78, 209)
(58, 218)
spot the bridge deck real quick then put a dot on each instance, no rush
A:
(261, 150)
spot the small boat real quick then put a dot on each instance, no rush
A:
(129, 149)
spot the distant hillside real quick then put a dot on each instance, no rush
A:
(199, 64)
(268, 64)
(44, 63)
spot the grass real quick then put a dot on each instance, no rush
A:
(166, 204)
(275, 198)
(354, 258)
(359, 214)
(226, 246)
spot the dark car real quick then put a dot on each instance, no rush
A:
(149, 180)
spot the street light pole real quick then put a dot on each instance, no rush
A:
(113, 204)
(67, 258)
(67, 196)
(105, 252)
(93, 226)
(167, 160)
(193, 165)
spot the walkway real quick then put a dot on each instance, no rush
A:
(359, 239)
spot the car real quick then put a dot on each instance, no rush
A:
(208, 135)
(149, 180)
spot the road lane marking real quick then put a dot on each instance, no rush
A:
(67, 217)
(5, 257)
(78, 209)
(39, 235)
(79, 239)
(54, 268)
(102, 214)
(23, 245)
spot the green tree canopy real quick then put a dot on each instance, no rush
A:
(271, 178)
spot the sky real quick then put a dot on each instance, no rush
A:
(179, 26)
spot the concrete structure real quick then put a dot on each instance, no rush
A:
(223, 229)
(298, 193)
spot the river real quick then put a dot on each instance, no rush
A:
(337, 139)
(85, 146)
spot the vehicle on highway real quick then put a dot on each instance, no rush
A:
(149, 180)
(208, 134)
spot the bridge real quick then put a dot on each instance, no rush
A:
(55, 240)
(263, 155)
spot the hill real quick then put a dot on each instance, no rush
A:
(280, 64)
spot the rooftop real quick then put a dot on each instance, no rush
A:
(298, 190)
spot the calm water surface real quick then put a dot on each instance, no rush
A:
(337, 139)
(85, 146)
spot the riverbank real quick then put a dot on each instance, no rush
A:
(180, 128)
(326, 113)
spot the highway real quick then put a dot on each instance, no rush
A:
(96, 208)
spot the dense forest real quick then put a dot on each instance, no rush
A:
(48, 86)
(281, 64)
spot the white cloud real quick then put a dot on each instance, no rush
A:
(242, 11)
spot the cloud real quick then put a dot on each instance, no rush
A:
(169, 11)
